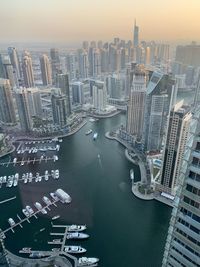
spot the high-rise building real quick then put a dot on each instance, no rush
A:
(71, 66)
(104, 60)
(9, 71)
(136, 105)
(188, 54)
(7, 110)
(99, 96)
(83, 64)
(34, 102)
(55, 63)
(160, 97)
(45, 70)
(96, 63)
(177, 134)
(24, 112)
(59, 111)
(14, 58)
(135, 35)
(115, 86)
(27, 70)
(182, 247)
(63, 84)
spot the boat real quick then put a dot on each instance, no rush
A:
(87, 261)
(38, 206)
(88, 132)
(55, 217)
(76, 228)
(74, 249)
(132, 174)
(15, 181)
(46, 200)
(30, 210)
(91, 120)
(46, 177)
(56, 240)
(53, 195)
(36, 255)
(42, 229)
(25, 250)
(56, 174)
(26, 180)
(77, 235)
(95, 136)
(39, 178)
(11, 222)
(26, 213)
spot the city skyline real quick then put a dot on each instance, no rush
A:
(61, 21)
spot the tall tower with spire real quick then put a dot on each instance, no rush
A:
(135, 35)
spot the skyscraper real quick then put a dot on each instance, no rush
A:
(34, 102)
(55, 63)
(9, 71)
(23, 109)
(63, 84)
(45, 70)
(59, 111)
(183, 244)
(177, 134)
(27, 69)
(14, 58)
(99, 96)
(83, 64)
(160, 97)
(71, 66)
(136, 105)
(135, 35)
(7, 110)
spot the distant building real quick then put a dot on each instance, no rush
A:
(34, 102)
(63, 84)
(9, 71)
(83, 64)
(55, 63)
(27, 69)
(45, 70)
(7, 110)
(177, 135)
(99, 96)
(14, 58)
(71, 66)
(59, 111)
(81, 92)
(188, 54)
(183, 244)
(24, 112)
(135, 35)
(115, 86)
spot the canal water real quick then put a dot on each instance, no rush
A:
(124, 231)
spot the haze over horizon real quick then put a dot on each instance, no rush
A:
(75, 21)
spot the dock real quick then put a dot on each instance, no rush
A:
(7, 200)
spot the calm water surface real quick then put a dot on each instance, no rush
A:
(124, 231)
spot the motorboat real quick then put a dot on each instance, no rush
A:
(56, 174)
(77, 235)
(30, 210)
(38, 206)
(56, 241)
(46, 177)
(25, 250)
(76, 228)
(95, 136)
(15, 181)
(26, 180)
(132, 174)
(88, 132)
(55, 217)
(74, 249)
(46, 200)
(16, 175)
(11, 222)
(39, 178)
(26, 213)
(53, 195)
(84, 261)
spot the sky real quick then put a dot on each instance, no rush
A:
(73, 21)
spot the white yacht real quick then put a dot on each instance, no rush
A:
(132, 174)
(15, 181)
(88, 132)
(46, 200)
(53, 195)
(95, 136)
(39, 178)
(56, 174)
(38, 206)
(11, 222)
(30, 210)
(77, 235)
(87, 261)
(46, 177)
(26, 213)
(74, 249)
(55, 217)
(76, 228)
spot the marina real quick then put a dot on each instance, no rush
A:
(29, 213)
(13, 180)
(24, 161)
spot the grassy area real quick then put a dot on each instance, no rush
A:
(155, 171)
